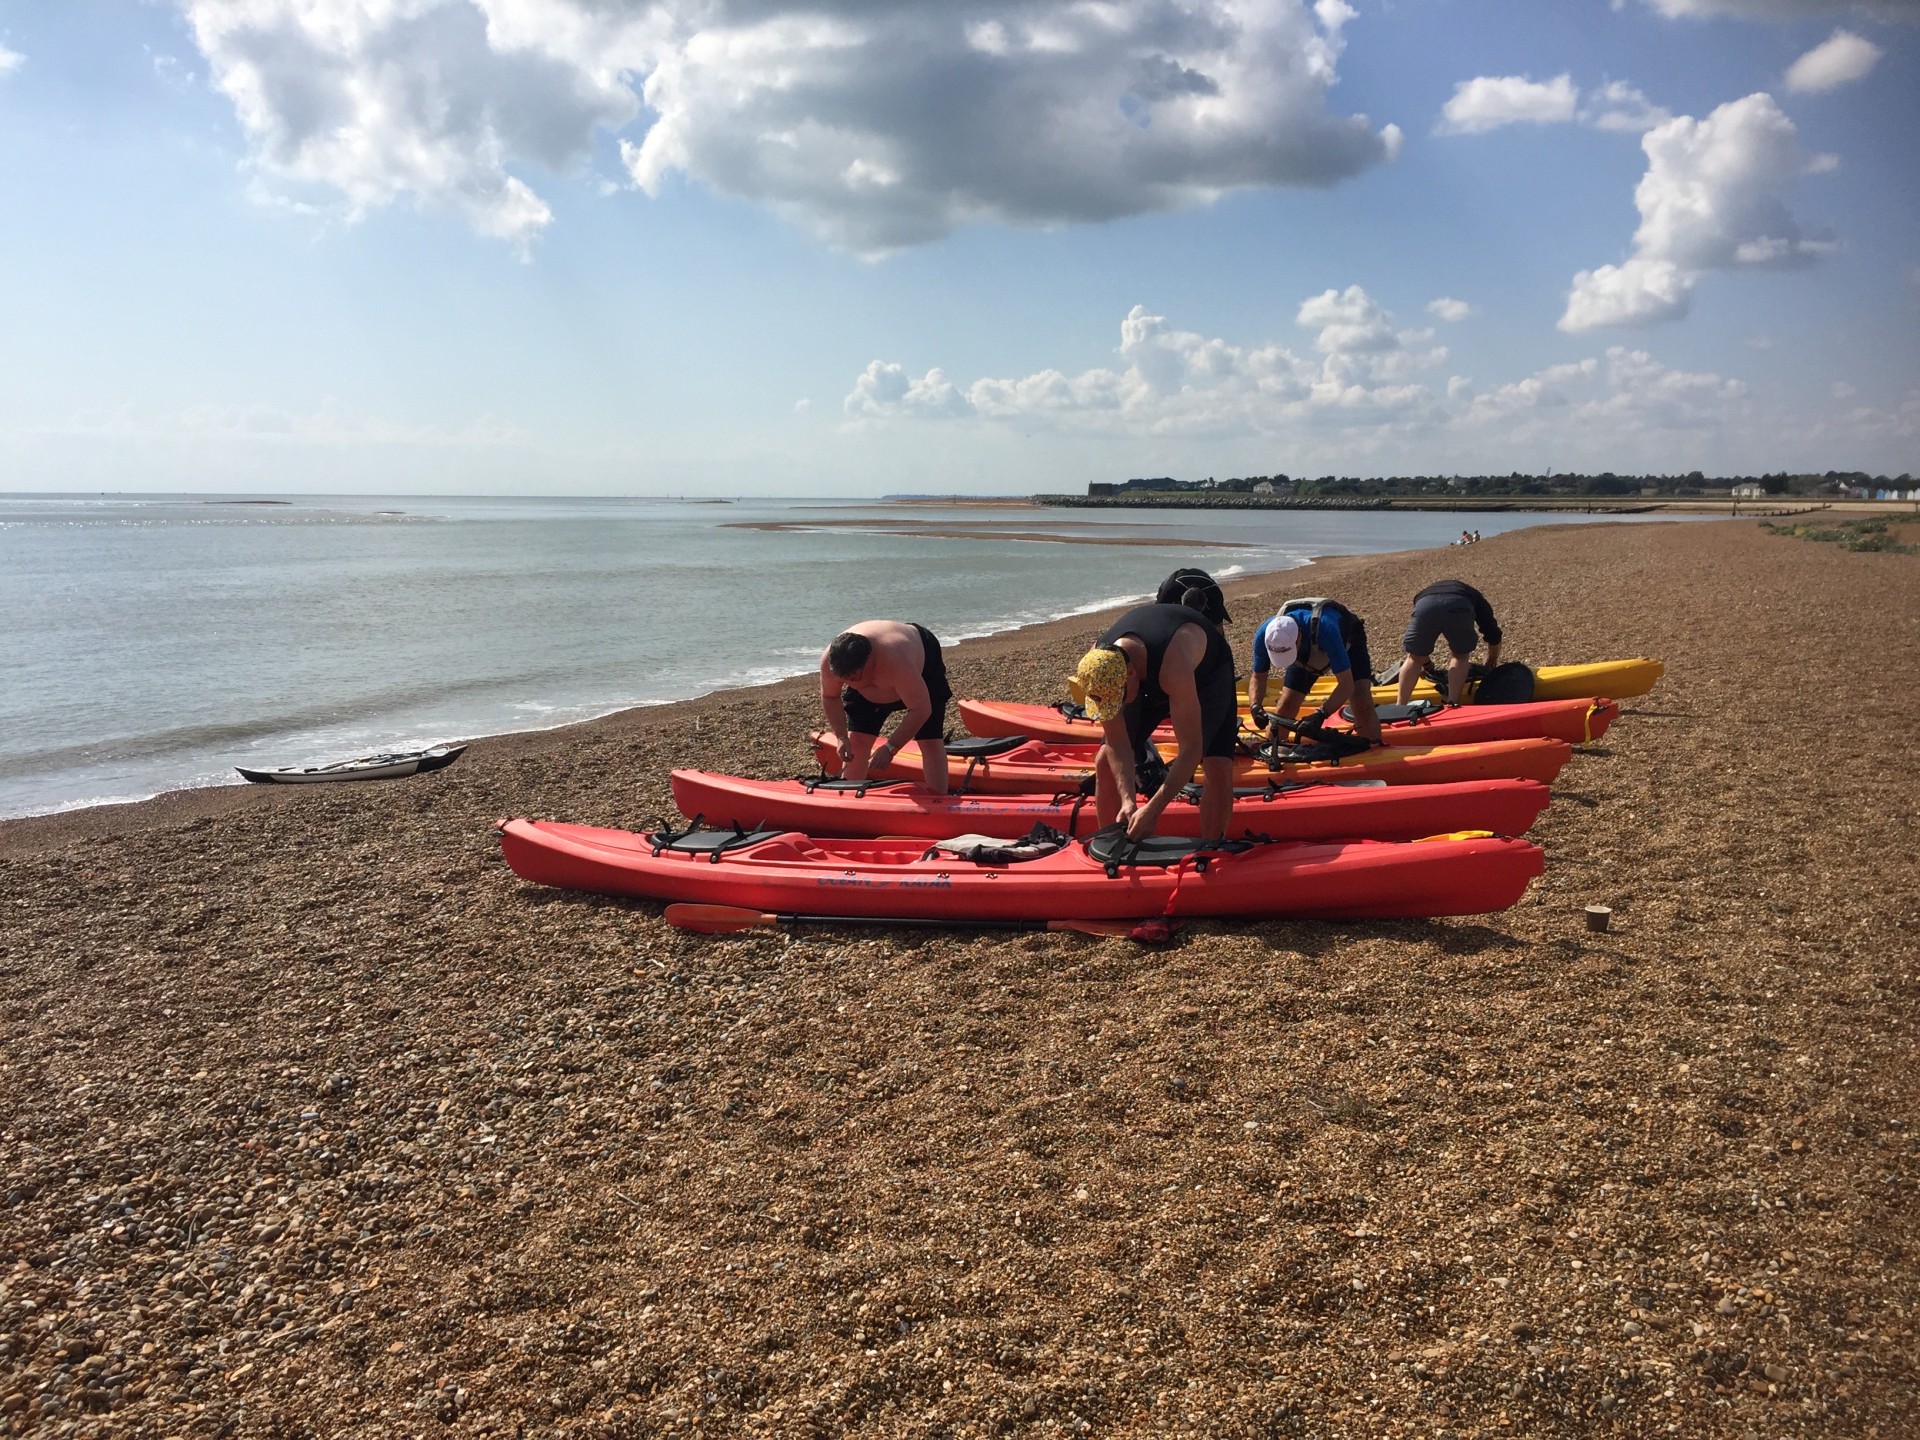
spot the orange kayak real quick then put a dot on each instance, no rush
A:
(1011, 766)
(1578, 722)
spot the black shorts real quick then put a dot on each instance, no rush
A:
(1219, 721)
(865, 717)
(1438, 615)
(1299, 677)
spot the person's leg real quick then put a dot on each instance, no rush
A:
(1366, 719)
(1457, 670)
(933, 765)
(864, 722)
(1457, 626)
(932, 736)
(1216, 796)
(1417, 644)
(1295, 682)
(859, 752)
(1411, 669)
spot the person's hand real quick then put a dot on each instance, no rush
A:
(880, 755)
(1259, 717)
(846, 752)
(1140, 823)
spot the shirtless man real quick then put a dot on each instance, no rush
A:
(873, 670)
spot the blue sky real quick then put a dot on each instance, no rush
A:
(739, 247)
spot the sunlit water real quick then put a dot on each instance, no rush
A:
(149, 643)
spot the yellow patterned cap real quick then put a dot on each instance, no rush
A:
(1099, 683)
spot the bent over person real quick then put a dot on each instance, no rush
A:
(880, 668)
(1158, 663)
(1454, 609)
(1306, 639)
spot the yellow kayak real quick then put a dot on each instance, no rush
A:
(1616, 679)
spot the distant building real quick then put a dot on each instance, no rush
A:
(1750, 490)
(1103, 487)
(1263, 487)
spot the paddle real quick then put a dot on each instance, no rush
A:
(729, 919)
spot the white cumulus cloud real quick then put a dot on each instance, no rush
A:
(379, 99)
(1360, 403)
(1448, 309)
(1619, 106)
(873, 124)
(10, 60)
(1713, 198)
(1178, 382)
(1489, 101)
(1842, 58)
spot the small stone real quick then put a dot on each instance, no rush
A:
(1634, 1327)
(1776, 1373)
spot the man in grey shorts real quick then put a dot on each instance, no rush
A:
(1454, 609)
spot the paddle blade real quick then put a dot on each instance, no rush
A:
(718, 919)
(1093, 927)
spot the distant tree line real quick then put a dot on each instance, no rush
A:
(1568, 483)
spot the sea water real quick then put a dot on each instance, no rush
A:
(153, 642)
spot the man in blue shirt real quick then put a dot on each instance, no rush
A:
(1306, 639)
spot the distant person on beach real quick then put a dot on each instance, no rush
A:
(1450, 608)
(1158, 663)
(1476, 535)
(1466, 538)
(1306, 639)
(1197, 590)
(880, 668)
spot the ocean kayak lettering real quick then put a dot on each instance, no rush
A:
(867, 882)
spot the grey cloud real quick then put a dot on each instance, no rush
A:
(872, 123)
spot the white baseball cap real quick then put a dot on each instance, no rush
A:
(1283, 640)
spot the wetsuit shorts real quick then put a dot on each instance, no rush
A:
(1438, 615)
(1219, 720)
(1299, 677)
(865, 717)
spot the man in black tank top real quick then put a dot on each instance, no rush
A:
(1158, 663)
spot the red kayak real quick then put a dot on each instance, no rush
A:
(1105, 878)
(1335, 811)
(1010, 766)
(1578, 722)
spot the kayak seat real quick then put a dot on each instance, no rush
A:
(858, 787)
(1391, 714)
(710, 843)
(1113, 849)
(972, 749)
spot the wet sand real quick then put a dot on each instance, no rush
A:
(315, 1120)
(990, 530)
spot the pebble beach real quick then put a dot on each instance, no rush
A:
(316, 1121)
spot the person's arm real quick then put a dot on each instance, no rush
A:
(1116, 756)
(1257, 682)
(836, 713)
(1183, 710)
(1342, 693)
(911, 687)
(1489, 627)
(1340, 664)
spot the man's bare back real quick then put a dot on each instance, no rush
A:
(896, 662)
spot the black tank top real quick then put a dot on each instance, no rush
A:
(1154, 626)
